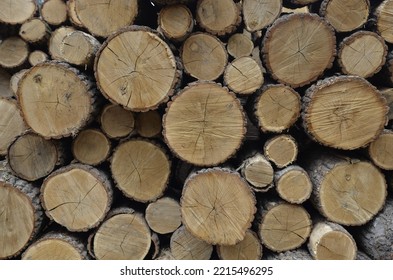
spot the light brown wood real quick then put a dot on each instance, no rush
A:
(356, 114)
(37, 57)
(258, 171)
(204, 56)
(14, 82)
(298, 58)
(140, 76)
(176, 22)
(55, 99)
(141, 169)
(387, 93)
(35, 31)
(21, 214)
(277, 108)
(5, 90)
(149, 124)
(284, 227)
(91, 146)
(56, 40)
(11, 123)
(32, 157)
(362, 54)
(185, 246)
(163, 216)
(54, 12)
(293, 184)
(330, 241)
(384, 20)
(124, 235)
(56, 246)
(72, 13)
(380, 150)
(259, 14)
(346, 191)
(250, 248)
(13, 52)
(217, 206)
(243, 76)
(17, 11)
(204, 125)
(116, 122)
(240, 44)
(295, 10)
(108, 17)
(77, 197)
(282, 150)
(218, 17)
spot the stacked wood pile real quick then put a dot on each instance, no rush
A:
(196, 129)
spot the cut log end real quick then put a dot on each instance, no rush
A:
(240, 45)
(17, 11)
(260, 14)
(54, 12)
(13, 52)
(37, 57)
(282, 150)
(380, 149)
(163, 215)
(149, 124)
(249, 248)
(35, 31)
(176, 22)
(116, 122)
(258, 171)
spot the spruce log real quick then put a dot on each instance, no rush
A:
(217, 206)
(35, 31)
(258, 171)
(77, 197)
(56, 40)
(17, 11)
(13, 53)
(139, 75)
(380, 150)
(163, 215)
(282, 150)
(354, 117)
(385, 20)
(259, 14)
(54, 12)
(37, 57)
(149, 124)
(116, 122)
(250, 248)
(297, 48)
(239, 44)
(204, 124)
(176, 22)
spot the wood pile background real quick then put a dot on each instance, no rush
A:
(181, 129)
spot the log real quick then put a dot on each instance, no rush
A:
(14, 82)
(107, 18)
(141, 169)
(346, 191)
(258, 171)
(379, 150)
(185, 246)
(91, 146)
(249, 248)
(277, 108)
(116, 122)
(32, 157)
(297, 254)
(330, 241)
(13, 53)
(124, 235)
(204, 56)
(72, 16)
(148, 124)
(239, 45)
(355, 117)
(77, 197)
(362, 54)
(293, 184)
(56, 40)
(163, 215)
(176, 22)
(37, 57)
(298, 58)
(35, 31)
(56, 246)
(282, 150)
(21, 214)
(243, 76)
(387, 93)
(5, 91)
(54, 12)
(139, 78)
(218, 17)
(384, 20)
(11, 123)
(56, 100)
(258, 14)
(204, 124)
(17, 11)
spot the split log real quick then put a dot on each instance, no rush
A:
(204, 124)
(356, 114)
(258, 171)
(149, 124)
(17, 11)
(5, 91)
(346, 191)
(77, 197)
(117, 122)
(35, 31)
(163, 216)
(56, 100)
(297, 254)
(239, 45)
(139, 76)
(56, 246)
(185, 246)
(217, 206)
(294, 58)
(124, 235)
(54, 12)
(282, 150)
(249, 248)
(204, 56)
(13, 53)
(91, 146)
(384, 20)
(362, 54)
(56, 40)
(259, 14)
(176, 22)
(330, 241)
(277, 108)
(141, 169)
(37, 57)
(380, 150)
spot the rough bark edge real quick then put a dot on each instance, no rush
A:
(189, 29)
(235, 99)
(176, 62)
(73, 17)
(307, 100)
(289, 137)
(21, 22)
(389, 68)
(56, 56)
(352, 38)
(272, 29)
(98, 174)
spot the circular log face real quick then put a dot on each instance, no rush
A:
(380, 150)
(176, 21)
(13, 52)
(116, 122)
(204, 125)
(249, 248)
(332, 246)
(16, 11)
(136, 69)
(385, 20)
(52, 249)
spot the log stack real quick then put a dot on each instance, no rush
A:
(196, 129)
